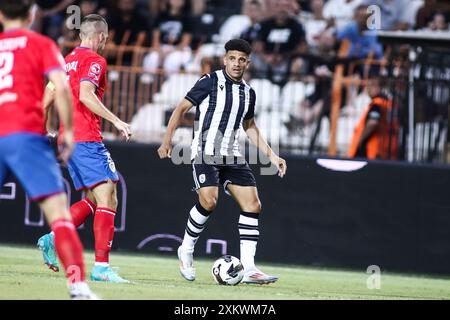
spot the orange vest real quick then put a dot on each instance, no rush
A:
(382, 144)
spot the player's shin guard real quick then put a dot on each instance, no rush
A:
(81, 210)
(69, 250)
(249, 235)
(103, 233)
(198, 216)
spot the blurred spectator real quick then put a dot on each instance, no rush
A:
(341, 11)
(375, 135)
(49, 17)
(257, 13)
(314, 23)
(429, 9)
(395, 14)
(253, 11)
(171, 39)
(438, 23)
(279, 39)
(126, 18)
(93, 6)
(223, 8)
(316, 105)
(363, 41)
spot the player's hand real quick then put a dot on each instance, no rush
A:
(124, 128)
(165, 150)
(66, 146)
(281, 165)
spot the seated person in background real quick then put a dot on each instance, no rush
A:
(375, 135)
(279, 39)
(49, 17)
(363, 41)
(429, 9)
(256, 14)
(126, 23)
(171, 40)
(438, 23)
(320, 70)
(253, 11)
(341, 11)
(315, 24)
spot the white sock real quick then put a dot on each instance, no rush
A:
(198, 216)
(249, 235)
(101, 264)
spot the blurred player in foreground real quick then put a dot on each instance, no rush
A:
(26, 58)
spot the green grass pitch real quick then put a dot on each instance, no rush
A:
(24, 276)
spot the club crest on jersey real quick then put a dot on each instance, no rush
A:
(95, 70)
(202, 178)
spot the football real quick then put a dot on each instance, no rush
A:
(228, 270)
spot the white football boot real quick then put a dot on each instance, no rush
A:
(186, 258)
(81, 291)
(256, 276)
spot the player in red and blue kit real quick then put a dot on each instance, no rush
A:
(25, 59)
(91, 167)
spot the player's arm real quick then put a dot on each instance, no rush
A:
(49, 97)
(63, 102)
(193, 98)
(258, 140)
(165, 149)
(93, 103)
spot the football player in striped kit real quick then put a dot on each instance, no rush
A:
(224, 102)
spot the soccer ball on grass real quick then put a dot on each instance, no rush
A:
(228, 270)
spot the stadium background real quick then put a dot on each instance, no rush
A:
(392, 212)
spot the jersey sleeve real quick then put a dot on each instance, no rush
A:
(94, 70)
(200, 90)
(52, 58)
(251, 107)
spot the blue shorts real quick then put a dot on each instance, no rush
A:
(91, 165)
(31, 159)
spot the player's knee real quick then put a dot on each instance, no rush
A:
(107, 202)
(254, 206)
(209, 202)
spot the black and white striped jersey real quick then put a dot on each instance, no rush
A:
(222, 105)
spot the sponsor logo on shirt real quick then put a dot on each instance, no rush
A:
(71, 66)
(8, 97)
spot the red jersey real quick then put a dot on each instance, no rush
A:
(83, 64)
(26, 58)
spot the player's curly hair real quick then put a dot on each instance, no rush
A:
(16, 9)
(238, 45)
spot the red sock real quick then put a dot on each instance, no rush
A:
(104, 233)
(69, 249)
(81, 210)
